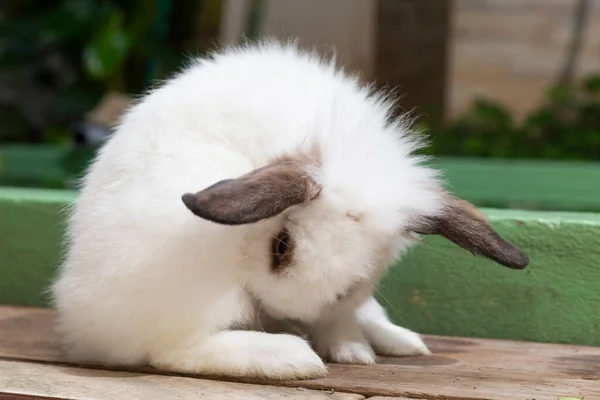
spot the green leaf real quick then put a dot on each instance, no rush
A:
(107, 51)
(592, 84)
(561, 94)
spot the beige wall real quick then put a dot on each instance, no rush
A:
(346, 25)
(233, 20)
(510, 50)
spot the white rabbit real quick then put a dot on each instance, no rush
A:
(304, 193)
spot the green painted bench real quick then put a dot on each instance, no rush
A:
(516, 184)
(438, 288)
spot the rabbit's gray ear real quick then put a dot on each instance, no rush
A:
(464, 225)
(260, 194)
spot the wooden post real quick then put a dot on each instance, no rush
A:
(411, 44)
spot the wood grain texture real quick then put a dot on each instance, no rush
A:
(35, 381)
(460, 368)
(392, 398)
(27, 334)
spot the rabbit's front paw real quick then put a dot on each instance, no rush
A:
(392, 340)
(288, 357)
(244, 354)
(349, 352)
(386, 338)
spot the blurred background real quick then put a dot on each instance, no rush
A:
(502, 80)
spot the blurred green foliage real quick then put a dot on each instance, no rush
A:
(58, 57)
(567, 126)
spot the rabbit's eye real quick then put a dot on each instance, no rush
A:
(281, 249)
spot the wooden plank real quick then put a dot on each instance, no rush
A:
(460, 369)
(34, 381)
(393, 398)
(28, 334)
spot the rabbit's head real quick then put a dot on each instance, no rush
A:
(311, 245)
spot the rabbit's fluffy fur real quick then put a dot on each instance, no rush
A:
(145, 281)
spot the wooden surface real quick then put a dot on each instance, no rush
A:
(32, 380)
(460, 369)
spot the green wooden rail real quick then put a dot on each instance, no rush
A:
(536, 185)
(524, 184)
(438, 288)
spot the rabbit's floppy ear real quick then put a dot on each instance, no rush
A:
(464, 225)
(260, 194)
